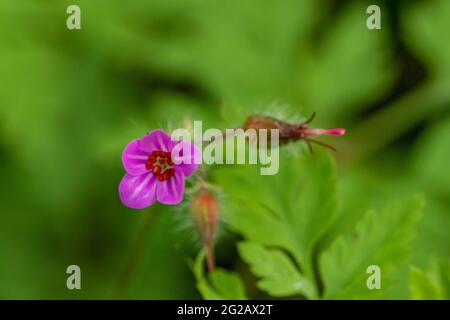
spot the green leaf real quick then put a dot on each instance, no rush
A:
(380, 239)
(219, 284)
(426, 27)
(422, 286)
(279, 276)
(441, 268)
(431, 285)
(290, 210)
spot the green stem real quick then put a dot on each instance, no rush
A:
(135, 256)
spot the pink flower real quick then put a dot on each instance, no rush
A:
(151, 173)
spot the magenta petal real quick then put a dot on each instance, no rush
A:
(134, 159)
(189, 162)
(156, 140)
(138, 191)
(171, 191)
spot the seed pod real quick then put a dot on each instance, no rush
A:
(289, 132)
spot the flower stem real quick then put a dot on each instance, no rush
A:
(136, 253)
(210, 260)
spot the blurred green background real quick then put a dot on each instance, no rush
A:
(71, 100)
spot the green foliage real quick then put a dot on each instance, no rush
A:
(432, 152)
(441, 270)
(380, 239)
(290, 220)
(327, 67)
(290, 210)
(427, 25)
(431, 285)
(219, 284)
(71, 100)
(279, 275)
(422, 286)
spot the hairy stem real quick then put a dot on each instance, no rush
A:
(210, 260)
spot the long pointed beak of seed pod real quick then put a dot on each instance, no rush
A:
(317, 132)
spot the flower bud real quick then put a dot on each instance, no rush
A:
(205, 207)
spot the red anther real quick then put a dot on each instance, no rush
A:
(160, 162)
(156, 169)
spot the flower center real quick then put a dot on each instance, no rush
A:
(161, 164)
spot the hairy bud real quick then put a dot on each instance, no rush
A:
(205, 207)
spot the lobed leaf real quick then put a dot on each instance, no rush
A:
(379, 239)
(279, 275)
(290, 210)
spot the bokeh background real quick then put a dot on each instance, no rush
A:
(71, 100)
